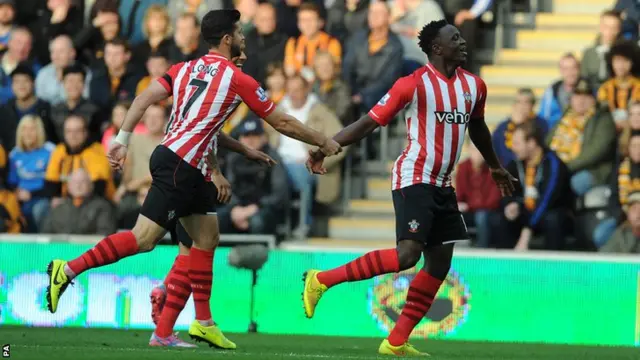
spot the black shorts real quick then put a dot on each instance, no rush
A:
(180, 236)
(177, 190)
(428, 214)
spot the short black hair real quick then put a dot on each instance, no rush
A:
(74, 68)
(532, 131)
(24, 68)
(119, 42)
(218, 23)
(626, 49)
(429, 33)
(159, 54)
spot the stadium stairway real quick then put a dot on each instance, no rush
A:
(572, 26)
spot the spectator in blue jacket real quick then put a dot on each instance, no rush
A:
(556, 98)
(27, 166)
(541, 202)
(132, 14)
(522, 112)
(630, 10)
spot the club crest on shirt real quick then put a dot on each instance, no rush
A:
(467, 97)
(262, 95)
(413, 226)
(384, 100)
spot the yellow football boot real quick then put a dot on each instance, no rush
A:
(405, 349)
(312, 292)
(58, 282)
(211, 335)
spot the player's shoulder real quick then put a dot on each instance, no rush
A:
(479, 83)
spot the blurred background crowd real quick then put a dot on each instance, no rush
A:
(69, 70)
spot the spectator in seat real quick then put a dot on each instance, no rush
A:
(331, 90)
(594, 60)
(73, 83)
(18, 52)
(261, 194)
(478, 196)
(287, 20)
(127, 216)
(59, 17)
(346, 17)
(306, 107)
(247, 9)
(118, 80)
(630, 13)
(264, 44)
(49, 81)
(27, 166)
(117, 118)
(585, 140)
(542, 200)
(300, 52)
(134, 15)
(11, 220)
(136, 173)
(276, 82)
(198, 8)
(408, 17)
(631, 126)
(24, 103)
(373, 61)
(91, 40)
(77, 152)
(82, 212)
(623, 87)
(157, 66)
(186, 43)
(522, 112)
(556, 97)
(626, 238)
(157, 34)
(7, 17)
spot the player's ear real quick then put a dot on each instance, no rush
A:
(436, 49)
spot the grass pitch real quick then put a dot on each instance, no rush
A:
(90, 344)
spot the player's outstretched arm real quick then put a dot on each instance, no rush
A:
(153, 94)
(292, 127)
(481, 137)
(347, 136)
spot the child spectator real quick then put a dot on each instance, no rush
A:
(157, 66)
(117, 118)
(623, 88)
(27, 166)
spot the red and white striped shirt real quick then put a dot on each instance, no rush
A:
(205, 92)
(437, 116)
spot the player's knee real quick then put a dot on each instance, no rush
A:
(145, 237)
(409, 253)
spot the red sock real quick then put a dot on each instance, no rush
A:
(201, 275)
(109, 250)
(178, 292)
(170, 273)
(422, 291)
(365, 267)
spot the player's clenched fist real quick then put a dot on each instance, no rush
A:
(117, 154)
(330, 147)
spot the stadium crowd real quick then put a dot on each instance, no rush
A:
(70, 69)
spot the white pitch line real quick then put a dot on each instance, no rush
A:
(226, 353)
